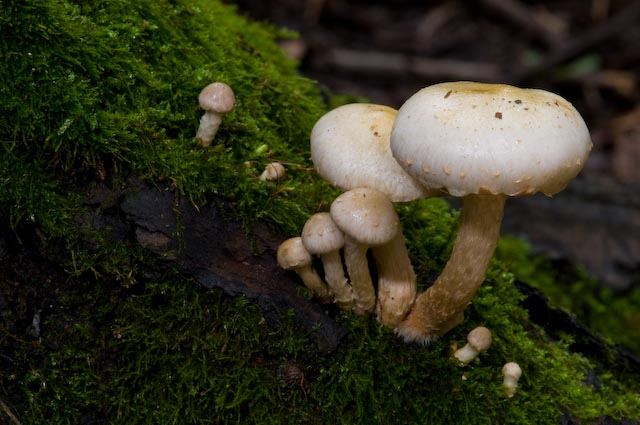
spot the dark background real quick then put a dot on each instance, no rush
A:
(587, 51)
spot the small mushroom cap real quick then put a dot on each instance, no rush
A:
(217, 97)
(466, 137)
(272, 172)
(320, 234)
(480, 339)
(292, 254)
(366, 215)
(512, 370)
(350, 149)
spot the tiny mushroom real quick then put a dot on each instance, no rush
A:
(216, 99)
(350, 149)
(478, 341)
(512, 373)
(481, 142)
(272, 172)
(321, 236)
(292, 255)
(369, 221)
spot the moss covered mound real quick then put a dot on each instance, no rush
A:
(98, 91)
(92, 90)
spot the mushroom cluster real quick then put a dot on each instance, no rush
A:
(480, 142)
(350, 149)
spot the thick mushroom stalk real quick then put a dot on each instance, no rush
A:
(369, 221)
(396, 281)
(441, 307)
(292, 255)
(321, 236)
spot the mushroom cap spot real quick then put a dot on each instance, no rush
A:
(292, 254)
(480, 338)
(350, 149)
(320, 234)
(540, 136)
(512, 370)
(366, 215)
(217, 97)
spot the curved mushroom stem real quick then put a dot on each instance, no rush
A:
(396, 281)
(334, 275)
(441, 307)
(314, 283)
(355, 257)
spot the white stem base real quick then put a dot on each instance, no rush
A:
(209, 124)
(396, 281)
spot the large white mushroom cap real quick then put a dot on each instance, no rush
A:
(350, 149)
(470, 138)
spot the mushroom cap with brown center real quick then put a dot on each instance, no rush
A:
(366, 215)
(217, 97)
(473, 138)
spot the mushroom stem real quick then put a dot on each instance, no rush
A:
(334, 275)
(396, 281)
(209, 124)
(355, 257)
(292, 255)
(314, 283)
(441, 307)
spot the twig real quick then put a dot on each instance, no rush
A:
(524, 17)
(398, 65)
(8, 412)
(570, 49)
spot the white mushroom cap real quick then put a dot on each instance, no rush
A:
(467, 138)
(217, 97)
(320, 235)
(350, 149)
(479, 339)
(366, 215)
(512, 370)
(292, 254)
(272, 172)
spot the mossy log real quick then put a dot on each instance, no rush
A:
(113, 219)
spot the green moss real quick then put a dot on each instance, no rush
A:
(109, 87)
(616, 316)
(165, 351)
